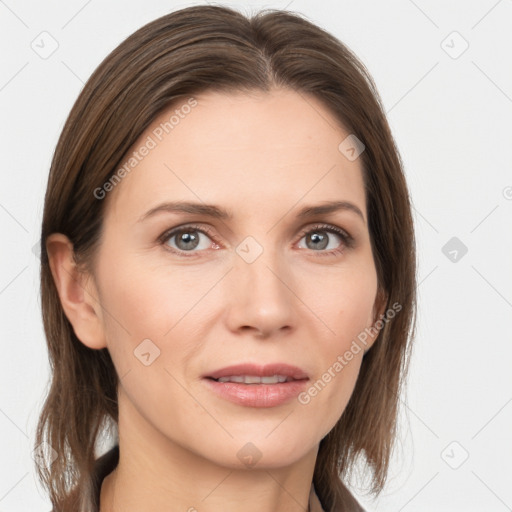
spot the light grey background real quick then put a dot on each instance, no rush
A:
(450, 112)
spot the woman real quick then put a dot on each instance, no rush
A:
(227, 275)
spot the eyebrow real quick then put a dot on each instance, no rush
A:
(216, 212)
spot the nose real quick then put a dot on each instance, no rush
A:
(260, 296)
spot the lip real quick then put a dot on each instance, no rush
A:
(258, 395)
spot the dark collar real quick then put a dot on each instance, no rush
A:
(103, 466)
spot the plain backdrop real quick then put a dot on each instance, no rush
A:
(443, 70)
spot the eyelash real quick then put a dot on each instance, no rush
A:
(348, 240)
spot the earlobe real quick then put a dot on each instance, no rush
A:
(77, 293)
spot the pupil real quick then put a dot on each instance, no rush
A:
(188, 240)
(319, 238)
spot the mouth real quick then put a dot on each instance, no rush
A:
(257, 386)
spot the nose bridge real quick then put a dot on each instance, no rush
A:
(259, 263)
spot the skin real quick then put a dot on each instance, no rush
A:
(295, 303)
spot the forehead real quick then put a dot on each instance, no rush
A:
(267, 147)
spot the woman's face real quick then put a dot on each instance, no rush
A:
(260, 285)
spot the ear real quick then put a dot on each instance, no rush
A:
(77, 292)
(379, 308)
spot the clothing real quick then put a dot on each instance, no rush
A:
(108, 462)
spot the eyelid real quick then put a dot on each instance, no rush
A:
(321, 226)
(347, 240)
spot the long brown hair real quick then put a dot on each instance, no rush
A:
(178, 55)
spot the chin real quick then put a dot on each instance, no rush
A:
(265, 451)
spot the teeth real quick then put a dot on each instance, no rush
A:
(252, 379)
(232, 379)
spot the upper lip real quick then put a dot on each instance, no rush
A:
(266, 370)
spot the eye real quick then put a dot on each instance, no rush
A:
(319, 237)
(187, 239)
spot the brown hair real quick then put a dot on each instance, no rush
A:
(182, 53)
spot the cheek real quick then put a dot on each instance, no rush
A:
(150, 315)
(146, 326)
(351, 320)
(148, 302)
(344, 300)
(345, 307)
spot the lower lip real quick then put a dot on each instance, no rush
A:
(257, 395)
